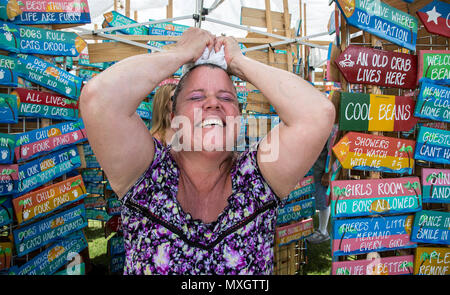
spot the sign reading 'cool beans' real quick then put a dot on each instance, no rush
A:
(433, 102)
(433, 145)
(436, 185)
(396, 265)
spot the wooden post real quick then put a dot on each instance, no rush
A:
(169, 9)
(136, 15)
(269, 29)
(287, 33)
(127, 8)
(115, 5)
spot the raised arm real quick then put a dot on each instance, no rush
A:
(287, 152)
(121, 142)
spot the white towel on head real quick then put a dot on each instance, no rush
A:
(212, 57)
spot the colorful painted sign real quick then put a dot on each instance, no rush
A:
(36, 142)
(369, 152)
(41, 202)
(7, 144)
(8, 109)
(83, 60)
(117, 264)
(87, 75)
(294, 232)
(47, 12)
(115, 19)
(35, 235)
(48, 75)
(433, 102)
(371, 112)
(436, 185)
(114, 206)
(434, 66)
(8, 76)
(381, 20)
(395, 265)
(362, 65)
(432, 261)
(9, 178)
(351, 198)
(114, 224)
(431, 227)
(5, 255)
(40, 104)
(91, 162)
(6, 216)
(433, 145)
(165, 29)
(92, 175)
(295, 211)
(9, 9)
(144, 110)
(97, 214)
(435, 16)
(25, 39)
(91, 202)
(95, 188)
(37, 172)
(116, 245)
(304, 187)
(364, 235)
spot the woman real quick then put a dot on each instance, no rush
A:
(184, 210)
(162, 109)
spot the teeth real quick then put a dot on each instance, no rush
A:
(212, 122)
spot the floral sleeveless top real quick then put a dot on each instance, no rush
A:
(160, 238)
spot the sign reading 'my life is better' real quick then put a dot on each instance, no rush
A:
(371, 112)
(433, 145)
(433, 102)
(395, 265)
(436, 185)
(362, 65)
(431, 227)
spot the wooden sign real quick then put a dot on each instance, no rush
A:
(432, 261)
(47, 12)
(304, 187)
(97, 214)
(294, 232)
(165, 29)
(362, 65)
(395, 265)
(436, 185)
(434, 65)
(91, 162)
(91, 202)
(114, 224)
(433, 102)
(31, 40)
(144, 110)
(351, 198)
(40, 104)
(369, 152)
(48, 75)
(7, 144)
(9, 176)
(9, 9)
(295, 211)
(433, 145)
(116, 19)
(5, 255)
(8, 76)
(92, 175)
(371, 112)
(83, 60)
(114, 207)
(357, 236)
(381, 20)
(116, 245)
(39, 171)
(41, 202)
(431, 227)
(87, 75)
(94, 188)
(6, 216)
(435, 16)
(35, 235)
(36, 142)
(8, 109)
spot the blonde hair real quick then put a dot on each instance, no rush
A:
(161, 111)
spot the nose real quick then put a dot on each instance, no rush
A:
(211, 103)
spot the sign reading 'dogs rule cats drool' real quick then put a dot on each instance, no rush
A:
(431, 227)
(433, 145)
(436, 185)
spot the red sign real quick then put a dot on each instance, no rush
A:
(44, 98)
(435, 16)
(361, 65)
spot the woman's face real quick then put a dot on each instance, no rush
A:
(208, 103)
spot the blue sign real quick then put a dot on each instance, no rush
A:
(433, 102)
(6, 211)
(8, 76)
(431, 227)
(295, 211)
(433, 145)
(7, 144)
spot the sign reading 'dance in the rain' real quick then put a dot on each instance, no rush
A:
(431, 227)
(362, 65)
(433, 102)
(375, 196)
(436, 185)
(433, 145)
(396, 265)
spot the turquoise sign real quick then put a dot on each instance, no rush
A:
(381, 20)
(97, 214)
(431, 227)
(295, 211)
(48, 75)
(433, 145)
(7, 144)
(144, 110)
(116, 245)
(9, 178)
(115, 19)
(87, 75)
(8, 65)
(6, 211)
(165, 29)
(38, 234)
(433, 102)
(9, 112)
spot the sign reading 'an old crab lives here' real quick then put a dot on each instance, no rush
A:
(41, 202)
(432, 261)
(294, 232)
(433, 102)
(375, 196)
(371, 112)
(364, 235)
(433, 145)
(436, 185)
(431, 227)
(395, 265)
(362, 65)
(369, 152)
(434, 65)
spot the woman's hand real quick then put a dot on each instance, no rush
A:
(232, 54)
(193, 42)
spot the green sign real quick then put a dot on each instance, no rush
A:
(7, 75)
(434, 65)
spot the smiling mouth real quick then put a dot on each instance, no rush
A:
(211, 123)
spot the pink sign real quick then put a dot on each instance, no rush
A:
(396, 265)
(294, 232)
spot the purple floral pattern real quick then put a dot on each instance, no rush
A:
(160, 238)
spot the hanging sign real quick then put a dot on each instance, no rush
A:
(115, 19)
(434, 66)
(371, 112)
(94, 202)
(41, 202)
(362, 65)
(117, 264)
(40, 104)
(433, 145)
(294, 232)
(435, 16)
(431, 227)
(36, 142)
(97, 214)
(432, 261)
(48, 75)
(47, 12)
(116, 245)
(436, 185)
(92, 175)
(369, 152)
(114, 207)
(37, 172)
(295, 211)
(144, 110)
(8, 76)
(91, 162)
(165, 29)
(395, 265)
(83, 60)
(358, 236)
(8, 109)
(94, 188)
(7, 144)
(433, 102)
(5, 255)
(9, 177)
(9, 9)
(351, 198)
(87, 75)
(381, 20)
(35, 235)
(304, 187)
(6, 216)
